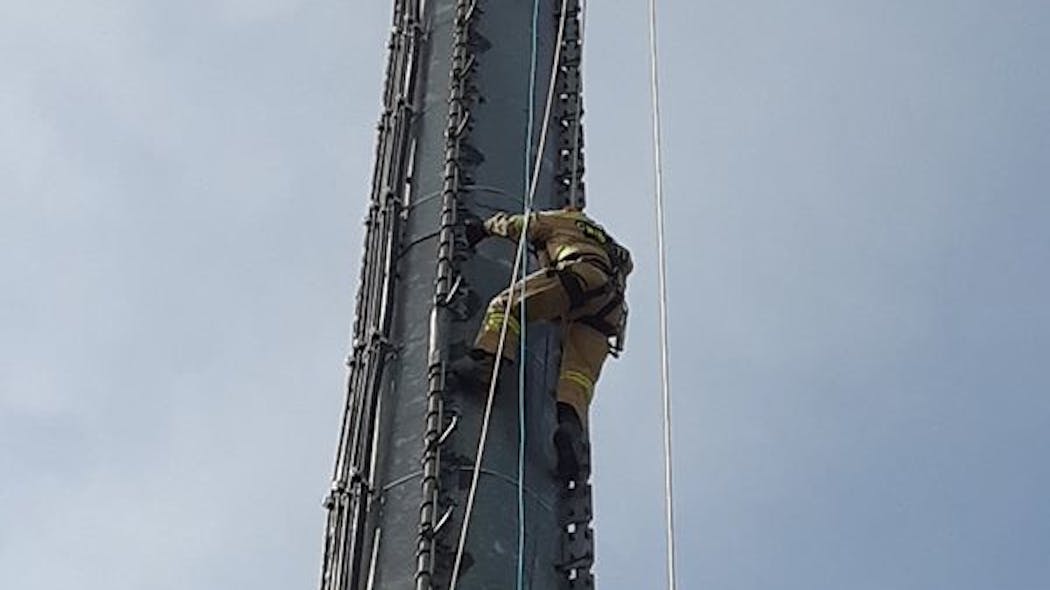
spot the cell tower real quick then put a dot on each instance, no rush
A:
(466, 80)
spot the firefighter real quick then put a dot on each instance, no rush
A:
(581, 285)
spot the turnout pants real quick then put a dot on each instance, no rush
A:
(584, 348)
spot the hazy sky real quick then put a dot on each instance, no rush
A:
(859, 227)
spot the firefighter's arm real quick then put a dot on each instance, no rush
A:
(505, 225)
(510, 226)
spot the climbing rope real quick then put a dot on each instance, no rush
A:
(665, 379)
(519, 262)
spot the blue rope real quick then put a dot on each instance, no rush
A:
(524, 272)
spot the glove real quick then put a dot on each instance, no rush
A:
(474, 230)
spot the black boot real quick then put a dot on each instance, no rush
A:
(474, 370)
(570, 443)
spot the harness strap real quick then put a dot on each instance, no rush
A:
(603, 327)
(598, 321)
(574, 288)
(593, 259)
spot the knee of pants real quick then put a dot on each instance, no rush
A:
(498, 307)
(492, 327)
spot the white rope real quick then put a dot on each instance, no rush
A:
(518, 263)
(665, 379)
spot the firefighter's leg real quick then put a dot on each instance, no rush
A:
(545, 299)
(583, 352)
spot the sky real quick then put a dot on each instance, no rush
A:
(858, 197)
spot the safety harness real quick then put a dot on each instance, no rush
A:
(613, 288)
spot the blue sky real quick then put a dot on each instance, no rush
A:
(859, 197)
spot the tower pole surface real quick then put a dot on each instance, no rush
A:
(452, 141)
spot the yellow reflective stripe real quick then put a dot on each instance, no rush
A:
(565, 251)
(588, 252)
(516, 223)
(583, 380)
(494, 322)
